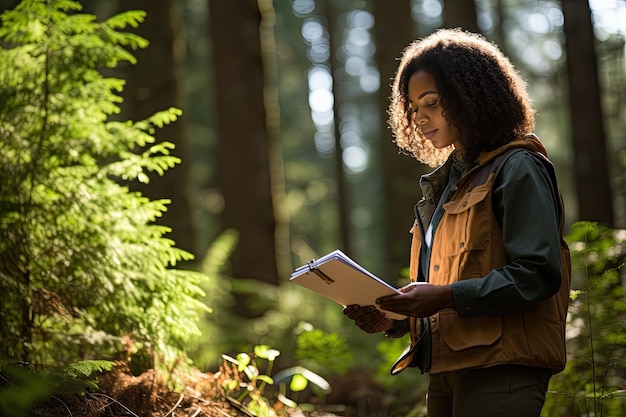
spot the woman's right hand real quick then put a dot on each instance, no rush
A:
(369, 318)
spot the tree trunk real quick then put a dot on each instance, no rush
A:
(276, 164)
(154, 85)
(400, 172)
(343, 199)
(243, 140)
(588, 134)
(460, 13)
(499, 32)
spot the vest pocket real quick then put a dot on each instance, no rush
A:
(461, 333)
(466, 223)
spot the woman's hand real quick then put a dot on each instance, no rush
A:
(418, 299)
(368, 318)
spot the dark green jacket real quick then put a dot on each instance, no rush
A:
(498, 244)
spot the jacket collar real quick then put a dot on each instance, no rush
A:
(529, 141)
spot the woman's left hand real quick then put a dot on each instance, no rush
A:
(368, 318)
(418, 300)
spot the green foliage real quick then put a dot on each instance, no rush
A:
(245, 384)
(23, 387)
(407, 389)
(216, 338)
(252, 387)
(87, 368)
(281, 312)
(83, 261)
(294, 380)
(594, 378)
(20, 389)
(77, 377)
(323, 351)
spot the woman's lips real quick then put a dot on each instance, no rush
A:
(429, 133)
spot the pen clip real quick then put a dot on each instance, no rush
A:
(313, 268)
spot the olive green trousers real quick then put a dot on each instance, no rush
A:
(497, 391)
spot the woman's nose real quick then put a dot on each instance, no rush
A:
(420, 117)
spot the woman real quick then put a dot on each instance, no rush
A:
(489, 267)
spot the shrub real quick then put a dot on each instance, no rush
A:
(85, 270)
(593, 380)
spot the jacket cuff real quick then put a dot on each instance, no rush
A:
(401, 327)
(464, 299)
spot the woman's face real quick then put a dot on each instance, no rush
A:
(424, 101)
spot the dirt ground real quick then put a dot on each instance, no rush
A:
(147, 395)
(200, 394)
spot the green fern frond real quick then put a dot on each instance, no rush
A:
(218, 253)
(84, 369)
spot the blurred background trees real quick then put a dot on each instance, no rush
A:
(284, 131)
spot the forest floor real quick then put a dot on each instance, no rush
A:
(184, 393)
(147, 395)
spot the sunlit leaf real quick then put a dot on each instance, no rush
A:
(265, 378)
(298, 383)
(243, 359)
(265, 352)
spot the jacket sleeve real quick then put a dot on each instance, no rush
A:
(524, 206)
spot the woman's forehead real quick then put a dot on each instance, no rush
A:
(421, 84)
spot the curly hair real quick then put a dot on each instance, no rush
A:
(481, 94)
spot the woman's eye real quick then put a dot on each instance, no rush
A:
(430, 104)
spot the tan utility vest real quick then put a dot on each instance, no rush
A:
(468, 244)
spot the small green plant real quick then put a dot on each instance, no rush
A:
(294, 380)
(244, 384)
(256, 381)
(593, 381)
